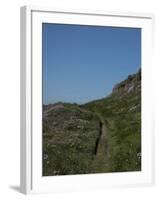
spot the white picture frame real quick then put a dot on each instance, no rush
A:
(31, 100)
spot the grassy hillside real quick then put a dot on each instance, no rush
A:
(122, 113)
(69, 137)
(97, 137)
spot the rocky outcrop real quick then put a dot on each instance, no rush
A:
(132, 83)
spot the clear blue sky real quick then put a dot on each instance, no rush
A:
(83, 63)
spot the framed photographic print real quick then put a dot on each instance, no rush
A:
(86, 100)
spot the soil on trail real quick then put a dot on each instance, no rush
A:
(100, 162)
(102, 141)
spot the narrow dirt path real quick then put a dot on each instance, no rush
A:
(102, 141)
(100, 161)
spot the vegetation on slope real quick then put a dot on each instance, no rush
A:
(97, 137)
(69, 137)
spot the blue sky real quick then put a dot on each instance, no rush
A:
(83, 63)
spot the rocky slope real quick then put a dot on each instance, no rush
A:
(132, 83)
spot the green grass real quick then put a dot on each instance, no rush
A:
(70, 135)
(124, 152)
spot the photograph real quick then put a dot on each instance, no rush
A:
(91, 99)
